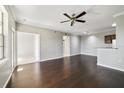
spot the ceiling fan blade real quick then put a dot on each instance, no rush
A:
(65, 21)
(83, 21)
(81, 14)
(72, 22)
(67, 15)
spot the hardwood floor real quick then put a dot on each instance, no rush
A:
(78, 71)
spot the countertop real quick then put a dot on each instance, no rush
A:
(106, 48)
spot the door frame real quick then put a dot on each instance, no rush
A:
(13, 47)
(38, 56)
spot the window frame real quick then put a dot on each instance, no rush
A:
(2, 37)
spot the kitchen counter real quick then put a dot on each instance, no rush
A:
(106, 48)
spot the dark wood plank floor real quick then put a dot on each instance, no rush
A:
(71, 72)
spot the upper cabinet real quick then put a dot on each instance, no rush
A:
(109, 38)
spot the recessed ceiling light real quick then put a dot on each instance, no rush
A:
(114, 25)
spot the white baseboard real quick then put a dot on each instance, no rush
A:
(40, 60)
(88, 54)
(115, 68)
(47, 59)
(51, 58)
(75, 54)
(9, 77)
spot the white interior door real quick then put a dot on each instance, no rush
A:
(28, 47)
(66, 45)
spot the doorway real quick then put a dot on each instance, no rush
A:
(28, 47)
(66, 45)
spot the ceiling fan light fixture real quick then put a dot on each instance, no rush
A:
(74, 18)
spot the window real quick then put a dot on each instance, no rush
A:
(4, 40)
(1, 37)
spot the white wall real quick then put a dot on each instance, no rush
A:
(120, 41)
(90, 43)
(120, 31)
(75, 42)
(108, 57)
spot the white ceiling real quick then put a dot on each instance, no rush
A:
(98, 18)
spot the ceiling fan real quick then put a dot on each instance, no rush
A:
(74, 18)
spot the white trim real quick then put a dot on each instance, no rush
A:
(115, 68)
(75, 54)
(11, 11)
(9, 77)
(40, 61)
(47, 59)
(119, 14)
(13, 29)
(88, 54)
(52, 58)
